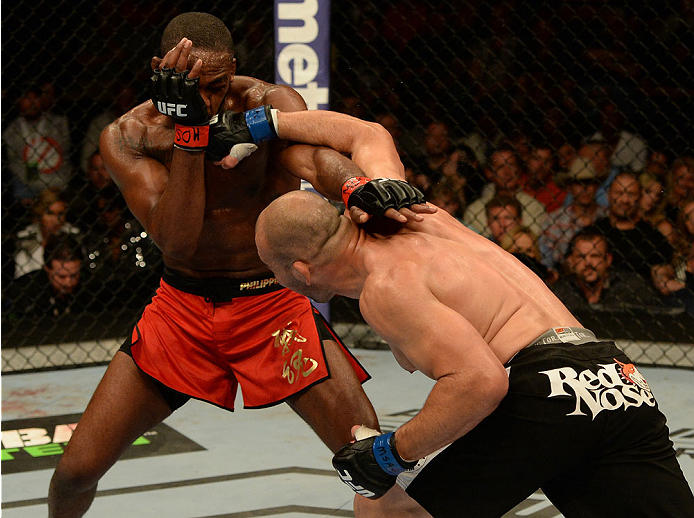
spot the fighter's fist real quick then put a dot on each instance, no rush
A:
(370, 466)
(379, 195)
(238, 133)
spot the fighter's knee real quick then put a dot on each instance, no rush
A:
(395, 502)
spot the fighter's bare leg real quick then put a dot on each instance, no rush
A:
(333, 406)
(124, 406)
(394, 503)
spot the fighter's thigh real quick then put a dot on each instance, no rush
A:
(332, 406)
(125, 404)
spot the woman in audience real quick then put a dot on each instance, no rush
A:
(48, 215)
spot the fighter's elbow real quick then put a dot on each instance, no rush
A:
(492, 386)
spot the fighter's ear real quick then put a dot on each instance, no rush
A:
(302, 272)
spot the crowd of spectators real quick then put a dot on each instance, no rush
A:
(70, 244)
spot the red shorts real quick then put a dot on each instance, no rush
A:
(264, 337)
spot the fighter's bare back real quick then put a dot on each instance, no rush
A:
(233, 197)
(502, 299)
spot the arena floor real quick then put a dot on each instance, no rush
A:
(206, 462)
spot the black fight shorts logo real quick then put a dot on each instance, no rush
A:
(614, 386)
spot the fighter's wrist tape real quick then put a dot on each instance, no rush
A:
(387, 456)
(192, 138)
(351, 184)
(259, 126)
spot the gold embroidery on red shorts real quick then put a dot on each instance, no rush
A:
(297, 365)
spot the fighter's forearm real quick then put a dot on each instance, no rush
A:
(177, 218)
(369, 144)
(457, 403)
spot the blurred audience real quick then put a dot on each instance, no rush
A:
(636, 246)
(651, 205)
(674, 280)
(56, 288)
(626, 150)
(449, 197)
(504, 175)
(523, 244)
(37, 146)
(49, 219)
(581, 182)
(503, 214)
(680, 186)
(590, 277)
(538, 180)
(598, 154)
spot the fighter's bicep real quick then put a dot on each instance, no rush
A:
(433, 337)
(141, 179)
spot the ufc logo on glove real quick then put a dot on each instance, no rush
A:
(172, 109)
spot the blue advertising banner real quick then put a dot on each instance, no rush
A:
(302, 49)
(302, 59)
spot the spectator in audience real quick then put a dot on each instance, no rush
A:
(504, 175)
(123, 99)
(523, 244)
(651, 205)
(56, 288)
(448, 197)
(85, 190)
(636, 246)
(402, 140)
(657, 164)
(565, 155)
(581, 183)
(37, 146)
(626, 150)
(538, 180)
(503, 214)
(599, 155)
(48, 214)
(675, 280)
(434, 152)
(590, 277)
(680, 186)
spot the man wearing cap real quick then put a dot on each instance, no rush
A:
(582, 183)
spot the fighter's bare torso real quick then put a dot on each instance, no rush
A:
(233, 197)
(502, 299)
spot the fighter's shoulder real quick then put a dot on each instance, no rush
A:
(393, 282)
(130, 130)
(255, 92)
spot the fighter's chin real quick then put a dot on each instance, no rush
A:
(322, 298)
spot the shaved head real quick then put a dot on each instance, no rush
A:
(294, 227)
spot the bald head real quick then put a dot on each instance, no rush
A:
(295, 227)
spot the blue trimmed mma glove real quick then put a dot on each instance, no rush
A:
(177, 96)
(370, 466)
(376, 196)
(239, 133)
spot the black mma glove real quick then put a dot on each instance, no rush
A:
(370, 466)
(377, 196)
(177, 96)
(246, 129)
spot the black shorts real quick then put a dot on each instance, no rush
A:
(579, 422)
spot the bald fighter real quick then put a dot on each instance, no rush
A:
(525, 397)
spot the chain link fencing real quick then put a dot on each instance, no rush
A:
(485, 101)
